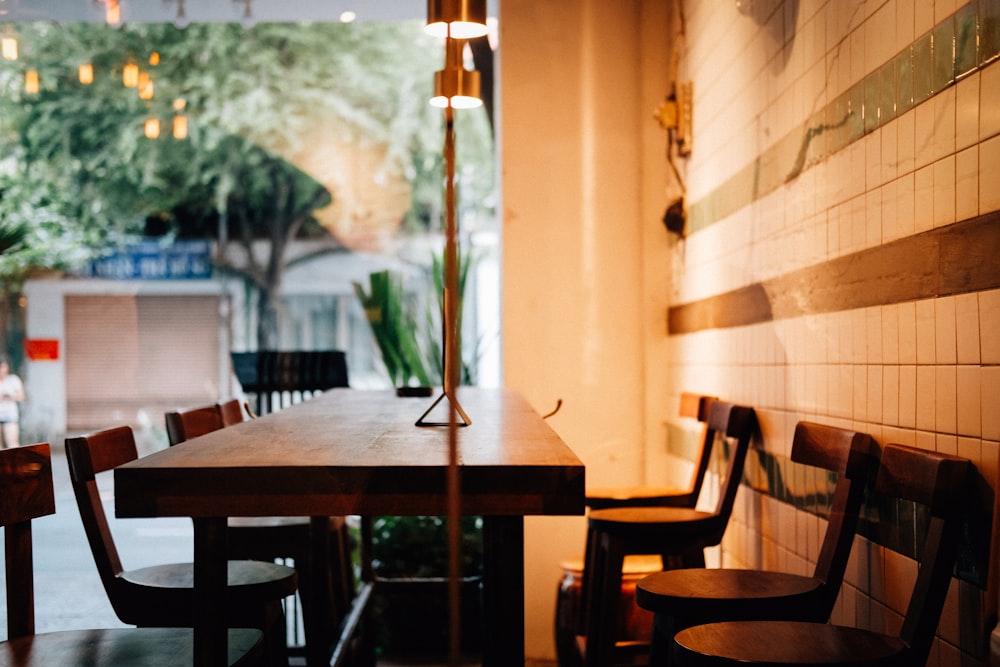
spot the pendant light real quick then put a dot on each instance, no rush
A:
(455, 86)
(31, 82)
(130, 75)
(459, 19)
(86, 74)
(152, 128)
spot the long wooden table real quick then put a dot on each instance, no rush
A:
(359, 452)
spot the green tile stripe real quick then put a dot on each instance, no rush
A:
(955, 48)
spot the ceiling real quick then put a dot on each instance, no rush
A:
(196, 11)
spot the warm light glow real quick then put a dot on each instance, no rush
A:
(31, 82)
(466, 18)
(152, 128)
(145, 86)
(112, 12)
(348, 17)
(8, 45)
(86, 74)
(180, 127)
(179, 104)
(154, 58)
(130, 75)
(457, 102)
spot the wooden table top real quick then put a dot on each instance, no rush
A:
(351, 451)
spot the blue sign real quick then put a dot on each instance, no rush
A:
(150, 260)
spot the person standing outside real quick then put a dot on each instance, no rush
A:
(11, 393)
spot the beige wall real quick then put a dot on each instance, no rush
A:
(584, 251)
(789, 174)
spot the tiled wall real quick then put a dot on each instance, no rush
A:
(826, 131)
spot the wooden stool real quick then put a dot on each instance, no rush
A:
(686, 597)
(26, 493)
(678, 534)
(163, 595)
(940, 482)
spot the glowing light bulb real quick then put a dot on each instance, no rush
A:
(86, 73)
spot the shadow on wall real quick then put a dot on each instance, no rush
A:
(776, 16)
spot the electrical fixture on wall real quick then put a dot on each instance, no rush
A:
(675, 116)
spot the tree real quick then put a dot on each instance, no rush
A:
(249, 94)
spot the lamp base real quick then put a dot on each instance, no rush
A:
(425, 418)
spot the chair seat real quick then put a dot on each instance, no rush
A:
(784, 642)
(729, 593)
(634, 496)
(660, 524)
(163, 594)
(122, 647)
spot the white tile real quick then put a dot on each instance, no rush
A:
(967, 112)
(923, 199)
(873, 160)
(890, 223)
(874, 396)
(926, 398)
(989, 101)
(906, 142)
(923, 138)
(923, 17)
(890, 395)
(873, 218)
(907, 323)
(890, 334)
(890, 151)
(946, 399)
(905, 204)
(944, 331)
(989, 326)
(859, 393)
(904, 24)
(990, 387)
(969, 401)
(944, 191)
(944, 123)
(989, 164)
(925, 330)
(967, 328)
(873, 329)
(967, 184)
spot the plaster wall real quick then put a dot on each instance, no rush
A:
(584, 252)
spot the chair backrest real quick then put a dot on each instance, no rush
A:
(852, 456)
(186, 424)
(230, 411)
(697, 407)
(736, 424)
(88, 456)
(943, 484)
(26, 493)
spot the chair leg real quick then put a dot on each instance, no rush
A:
(602, 612)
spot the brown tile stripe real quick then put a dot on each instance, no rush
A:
(960, 258)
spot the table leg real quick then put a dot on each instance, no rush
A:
(503, 591)
(210, 583)
(316, 586)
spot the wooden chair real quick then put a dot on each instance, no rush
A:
(692, 406)
(163, 595)
(27, 493)
(685, 597)
(678, 534)
(324, 608)
(940, 482)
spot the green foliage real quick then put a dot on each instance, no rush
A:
(417, 546)
(392, 323)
